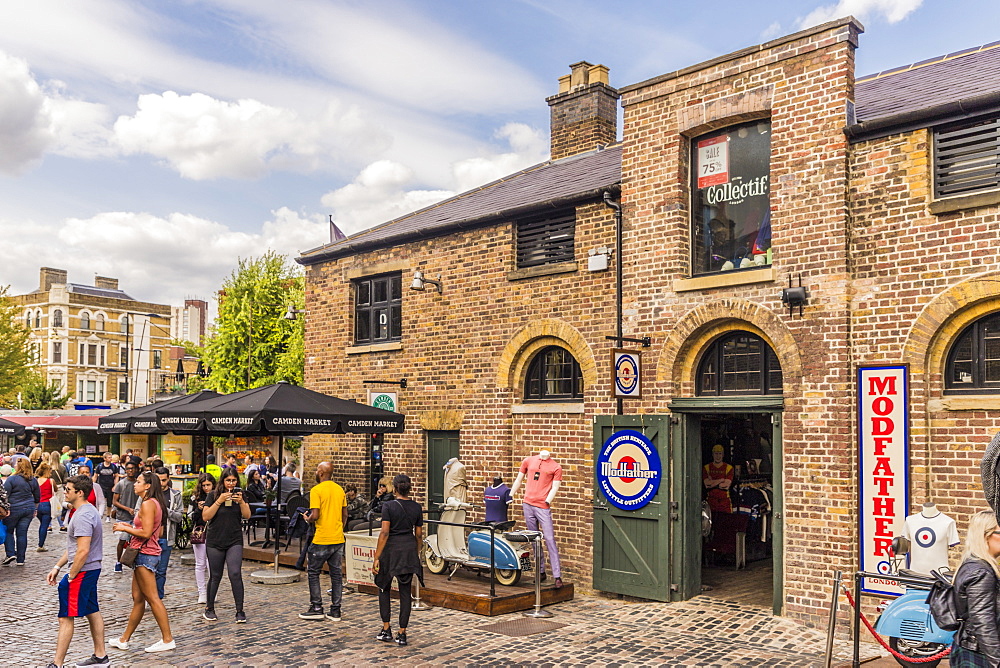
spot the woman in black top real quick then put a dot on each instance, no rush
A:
(977, 589)
(397, 555)
(255, 490)
(225, 511)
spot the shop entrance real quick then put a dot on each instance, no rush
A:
(441, 446)
(737, 465)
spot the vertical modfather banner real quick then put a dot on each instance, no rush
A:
(884, 485)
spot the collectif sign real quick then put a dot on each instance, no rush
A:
(628, 470)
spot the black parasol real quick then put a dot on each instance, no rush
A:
(142, 420)
(13, 428)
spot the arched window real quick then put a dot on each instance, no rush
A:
(99, 320)
(27, 319)
(974, 359)
(57, 318)
(38, 319)
(123, 323)
(553, 375)
(84, 320)
(739, 363)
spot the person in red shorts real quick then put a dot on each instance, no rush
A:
(78, 588)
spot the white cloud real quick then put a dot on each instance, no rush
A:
(25, 120)
(893, 11)
(203, 138)
(380, 192)
(770, 32)
(157, 259)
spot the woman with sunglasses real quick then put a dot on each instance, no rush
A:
(977, 592)
(144, 532)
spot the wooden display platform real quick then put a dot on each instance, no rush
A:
(469, 593)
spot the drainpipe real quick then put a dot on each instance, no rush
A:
(617, 208)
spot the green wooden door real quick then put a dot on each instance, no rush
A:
(632, 547)
(441, 446)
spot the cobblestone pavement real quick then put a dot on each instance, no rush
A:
(595, 631)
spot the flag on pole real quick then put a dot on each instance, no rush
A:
(335, 232)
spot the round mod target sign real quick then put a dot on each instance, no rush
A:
(628, 470)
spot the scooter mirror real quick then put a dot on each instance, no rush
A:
(900, 545)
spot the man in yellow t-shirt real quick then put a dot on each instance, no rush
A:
(328, 510)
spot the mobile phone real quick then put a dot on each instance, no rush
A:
(236, 490)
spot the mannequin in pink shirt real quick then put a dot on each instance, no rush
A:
(543, 476)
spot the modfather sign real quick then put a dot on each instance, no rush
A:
(884, 484)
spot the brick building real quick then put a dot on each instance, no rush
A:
(104, 347)
(737, 178)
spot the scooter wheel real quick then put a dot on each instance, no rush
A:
(917, 650)
(435, 564)
(507, 576)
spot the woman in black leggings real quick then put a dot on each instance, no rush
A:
(398, 555)
(225, 511)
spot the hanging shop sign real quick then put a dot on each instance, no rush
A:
(626, 367)
(884, 472)
(384, 400)
(628, 470)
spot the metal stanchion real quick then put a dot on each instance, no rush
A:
(831, 627)
(538, 612)
(417, 603)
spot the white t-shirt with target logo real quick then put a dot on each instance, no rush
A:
(930, 538)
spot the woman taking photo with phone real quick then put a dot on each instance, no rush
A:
(144, 532)
(224, 511)
(206, 483)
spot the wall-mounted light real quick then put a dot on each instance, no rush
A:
(419, 282)
(293, 313)
(793, 297)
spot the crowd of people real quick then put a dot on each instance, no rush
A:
(69, 490)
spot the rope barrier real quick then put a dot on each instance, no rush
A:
(910, 659)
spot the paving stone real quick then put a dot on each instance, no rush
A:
(596, 631)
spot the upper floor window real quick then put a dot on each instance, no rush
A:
(57, 318)
(27, 320)
(973, 364)
(967, 158)
(84, 320)
(553, 375)
(545, 239)
(57, 352)
(157, 359)
(123, 324)
(378, 314)
(739, 363)
(38, 319)
(730, 198)
(99, 322)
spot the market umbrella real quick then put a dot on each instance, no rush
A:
(8, 427)
(281, 409)
(142, 420)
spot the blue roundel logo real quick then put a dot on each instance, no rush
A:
(628, 470)
(925, 536)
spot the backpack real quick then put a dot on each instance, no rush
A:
(941, 601)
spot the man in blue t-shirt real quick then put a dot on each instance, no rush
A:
(78, 588)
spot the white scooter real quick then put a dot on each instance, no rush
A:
(449, 546)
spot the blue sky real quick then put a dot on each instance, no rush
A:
(158, 142)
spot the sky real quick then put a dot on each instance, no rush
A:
(158, 142)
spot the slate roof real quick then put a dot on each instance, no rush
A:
(97, 292)
(549, 183)
(932, 85)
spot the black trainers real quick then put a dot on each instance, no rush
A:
(334, 614)
(312, 613)
(385, 635)
(8, 560)
(210, 615)
(94, 661)
(401, 639)
(241, 617)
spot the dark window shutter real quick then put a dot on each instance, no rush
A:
(967, 158)
(547, 240)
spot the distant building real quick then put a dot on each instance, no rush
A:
(101, 345)
(187, 323)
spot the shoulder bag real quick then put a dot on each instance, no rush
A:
(198, 535)
(132, 553)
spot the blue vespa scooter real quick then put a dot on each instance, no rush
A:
(449, 546)
(907, 619)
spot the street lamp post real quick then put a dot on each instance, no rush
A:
(128, 352)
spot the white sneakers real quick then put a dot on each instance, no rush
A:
(203, 598)
(160, 646)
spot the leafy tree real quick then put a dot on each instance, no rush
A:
(251, 328)
(36, 394)
(15, 358)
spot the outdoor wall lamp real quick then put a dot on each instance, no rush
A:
(293, 313)
(419, 282)
(793, 297)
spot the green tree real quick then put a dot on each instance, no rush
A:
(15, 358)
(251, 330)
(36, 394)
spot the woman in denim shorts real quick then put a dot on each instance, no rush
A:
(145, 534)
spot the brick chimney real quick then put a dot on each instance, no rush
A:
(49, 277)
(584, 113)
(106, 283)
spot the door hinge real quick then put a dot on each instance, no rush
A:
(674, 419)
(674, 586)
(674, 507)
